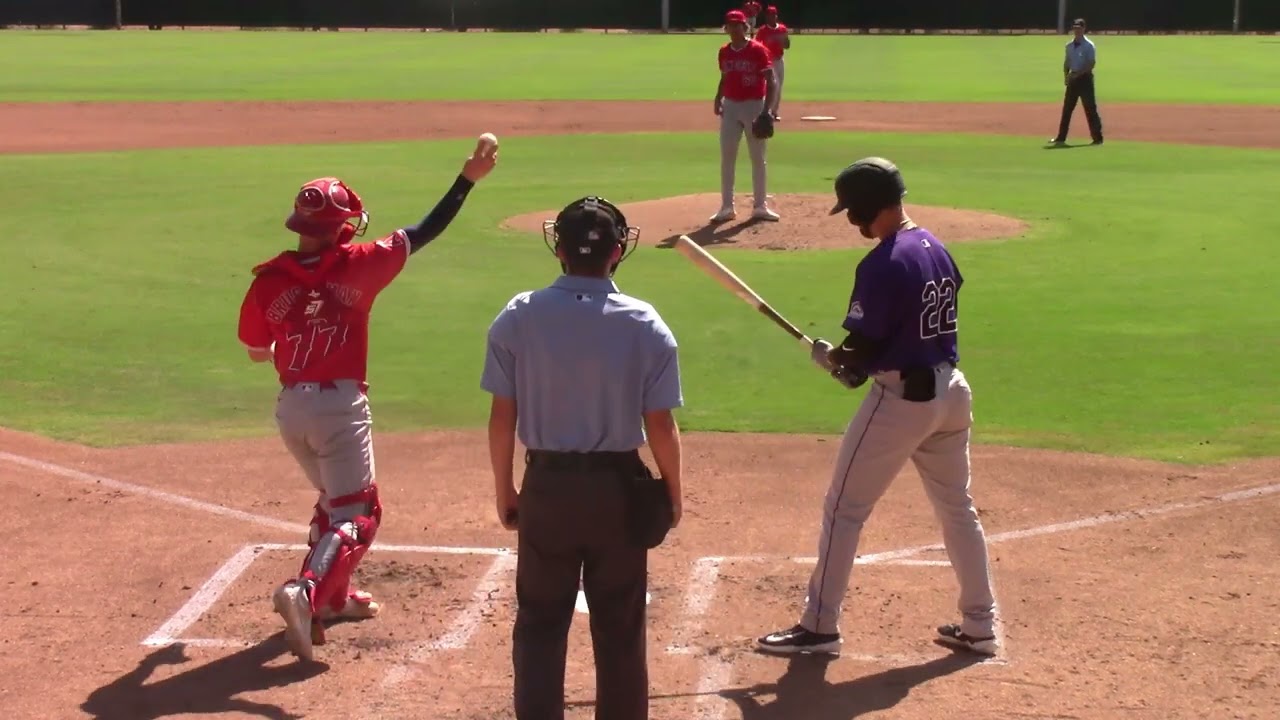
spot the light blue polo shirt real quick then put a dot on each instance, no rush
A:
(583, 362)
(1079, 56)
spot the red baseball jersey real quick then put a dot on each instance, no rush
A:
(745, 70)
(771, 38)
(315, 307)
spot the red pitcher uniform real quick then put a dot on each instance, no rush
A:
(745, 73)
(774, 36)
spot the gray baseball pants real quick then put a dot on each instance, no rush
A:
(886, 432)
(735, 120)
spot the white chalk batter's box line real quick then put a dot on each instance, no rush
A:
(212, 590)
(215, 587)
(704, 577)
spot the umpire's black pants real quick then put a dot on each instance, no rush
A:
(571, 524)
(1080, 89)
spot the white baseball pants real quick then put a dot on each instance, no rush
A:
(736, 120)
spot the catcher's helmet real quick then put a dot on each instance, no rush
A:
(866, 187)
(325, 204)
(591, 226)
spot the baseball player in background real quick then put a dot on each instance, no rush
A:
(775, 36)
(751, 11)
(307, 312)
(902, 323)
(745, 93)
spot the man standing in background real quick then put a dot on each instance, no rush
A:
(1077, 70)
(752, 12)
(743, 98)
(777, 39)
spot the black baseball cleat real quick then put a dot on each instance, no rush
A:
(798, 640)
(955, 637)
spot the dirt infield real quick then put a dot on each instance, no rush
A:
(69, 127)
(1127, 588)
(808, 224)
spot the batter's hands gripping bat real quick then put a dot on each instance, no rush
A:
(735, 285)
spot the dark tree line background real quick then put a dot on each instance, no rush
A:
(1102, 15)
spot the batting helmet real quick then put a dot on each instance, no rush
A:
(327, 204)
(866, 187)
(591, 227)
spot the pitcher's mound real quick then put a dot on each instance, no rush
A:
(805, 224)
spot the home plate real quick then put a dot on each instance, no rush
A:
(818, 118)
(582, 602)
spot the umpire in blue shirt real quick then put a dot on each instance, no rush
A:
(1077, 75)
(585, 374)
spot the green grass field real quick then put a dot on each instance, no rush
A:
(1138, 316)
(265, 65)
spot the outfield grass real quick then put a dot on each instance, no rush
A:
(1137, 318)
(176, 65)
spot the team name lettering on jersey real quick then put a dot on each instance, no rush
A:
(345, 294)
(282, 304)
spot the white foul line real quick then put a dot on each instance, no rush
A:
(203, 599)
(464, 626)
(171, 498)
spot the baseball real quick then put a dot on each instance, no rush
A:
(488, 143)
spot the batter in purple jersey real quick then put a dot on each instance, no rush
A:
(902, 323)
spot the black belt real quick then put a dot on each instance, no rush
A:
(600, 460)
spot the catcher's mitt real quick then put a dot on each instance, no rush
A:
(762, 127)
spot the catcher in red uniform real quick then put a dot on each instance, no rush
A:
(307, 312)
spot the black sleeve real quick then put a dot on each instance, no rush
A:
(857, 351)
(440, 216)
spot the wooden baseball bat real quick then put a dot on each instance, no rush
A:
(723, 275)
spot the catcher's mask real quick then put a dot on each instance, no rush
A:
(866, 187)
(327, 204)
(591, 226)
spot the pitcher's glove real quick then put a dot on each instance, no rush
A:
(762, 127)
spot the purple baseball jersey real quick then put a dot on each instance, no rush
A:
(906, 297)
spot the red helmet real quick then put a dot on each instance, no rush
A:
(324, 205)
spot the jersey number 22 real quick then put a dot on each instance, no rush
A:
(939, 314)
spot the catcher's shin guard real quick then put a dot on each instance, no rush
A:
(337, 548)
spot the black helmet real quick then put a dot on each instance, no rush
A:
(867, 187)
(591, 226)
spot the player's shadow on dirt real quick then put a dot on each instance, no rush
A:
(208, 689)
(803, 691)
(712, 233)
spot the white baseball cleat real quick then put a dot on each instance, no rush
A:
(726, 214)
(291, 602)
(764, 213)
(359, 605)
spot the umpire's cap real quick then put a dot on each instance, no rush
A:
(867, 187)
(590, 227)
